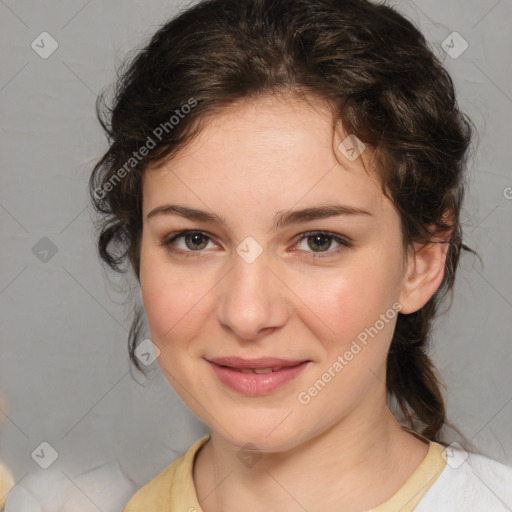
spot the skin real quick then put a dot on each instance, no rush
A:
(254, 160)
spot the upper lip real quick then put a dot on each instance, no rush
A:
(261, 362)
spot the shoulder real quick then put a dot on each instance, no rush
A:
(155, 491)
(470, 482)
(158, 493)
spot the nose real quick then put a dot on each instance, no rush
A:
(252, 301)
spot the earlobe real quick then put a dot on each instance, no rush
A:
(424, 275)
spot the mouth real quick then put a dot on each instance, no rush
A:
(256, 376)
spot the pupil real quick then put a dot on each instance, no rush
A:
(319, 238)
(195, 239)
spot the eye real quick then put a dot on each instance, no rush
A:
(322, 241)
(193, 241)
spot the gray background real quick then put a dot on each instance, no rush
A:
(64, 373)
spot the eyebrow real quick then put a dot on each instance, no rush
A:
(281, 219)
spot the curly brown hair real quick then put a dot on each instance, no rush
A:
(384, 84)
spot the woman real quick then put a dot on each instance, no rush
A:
(285, 180)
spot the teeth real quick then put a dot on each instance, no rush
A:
(263, 370)
(259, 370)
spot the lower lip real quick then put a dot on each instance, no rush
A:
(255, 384)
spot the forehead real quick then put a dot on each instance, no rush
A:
(270, 150)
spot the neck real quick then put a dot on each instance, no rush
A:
(358, 463)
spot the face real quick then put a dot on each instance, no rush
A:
(248, 287)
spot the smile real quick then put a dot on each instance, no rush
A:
(255, 377)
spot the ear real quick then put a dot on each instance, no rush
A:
(425, 271)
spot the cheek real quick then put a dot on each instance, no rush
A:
(357, 306)
(350, 302)
(346, 301)
(172, 299)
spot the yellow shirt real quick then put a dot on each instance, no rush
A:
(172, 490)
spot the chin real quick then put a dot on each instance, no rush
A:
(257, 434)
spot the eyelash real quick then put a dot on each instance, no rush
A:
(344, 244)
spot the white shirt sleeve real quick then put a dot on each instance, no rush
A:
(469, 483)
